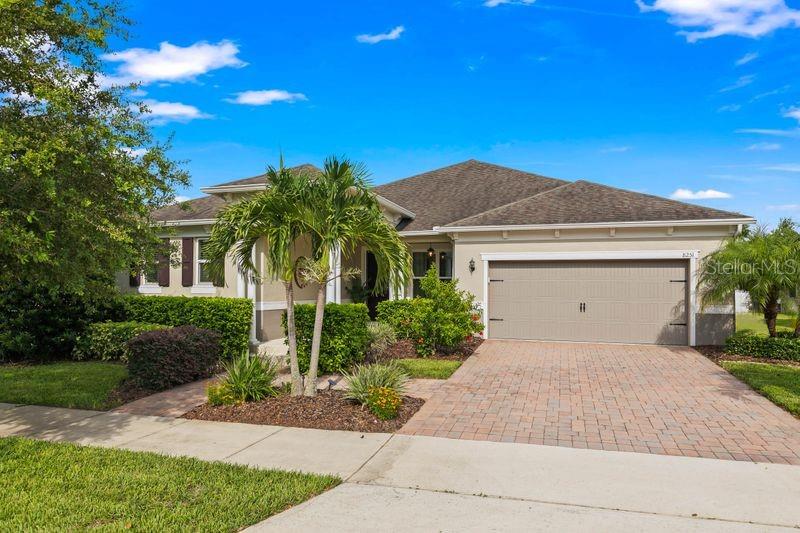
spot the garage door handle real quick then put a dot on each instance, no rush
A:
(495, 320)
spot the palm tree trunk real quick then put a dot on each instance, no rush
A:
(771, 316)
(294, 366)
(311, 377)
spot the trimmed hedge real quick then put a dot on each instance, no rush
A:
(344, 335)
(107, 341)
(162, 359)
(785, 346)
(406, 317)
(230, 317)
(40, 325)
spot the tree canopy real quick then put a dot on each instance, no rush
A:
(80, 170)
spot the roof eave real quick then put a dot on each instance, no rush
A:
(590, 225)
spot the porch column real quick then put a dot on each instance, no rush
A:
(333, 290)
(251, 293)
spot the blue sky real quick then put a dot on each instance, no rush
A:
(696, 99)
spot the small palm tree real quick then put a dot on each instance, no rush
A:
(342, 214)
(273, 217)
(765, 264)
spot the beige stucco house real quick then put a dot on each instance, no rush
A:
(546, 259)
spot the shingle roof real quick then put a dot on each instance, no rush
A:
(586, 202)
(474, 193)
(451, 193)
(203, 208)
(307, 167)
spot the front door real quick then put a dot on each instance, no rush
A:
(373, 299)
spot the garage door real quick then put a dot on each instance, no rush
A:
(592, 301)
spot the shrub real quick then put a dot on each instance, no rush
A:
(381, 336)
(107, 341)
(384, 402)
(219, 394)
(164, 358)
(230, 317)
(37, 324)
(367, 377)
(344, 335)
(249, 379)
(785, 346)
(442, 321)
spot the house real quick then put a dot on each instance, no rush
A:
(547, 259)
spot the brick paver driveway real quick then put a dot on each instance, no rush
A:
(652, 399)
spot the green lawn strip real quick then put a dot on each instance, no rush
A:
(64, 487)
(755, 322)
(429, 368)
(82, 385)
(779, 383)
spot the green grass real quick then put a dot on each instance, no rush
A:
(429, 368)
(779, 383)
(755, 322)
(83, 385)
(64, 487)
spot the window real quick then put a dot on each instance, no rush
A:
(422, 261)
(202, 272)
(150, 274)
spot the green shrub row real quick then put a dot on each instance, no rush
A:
(162, 359)
(785, 346)
(230, 317)
(344, 335)
(107, 341)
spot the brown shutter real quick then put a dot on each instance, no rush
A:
(135, 278)
(163, 265)
(187, 262)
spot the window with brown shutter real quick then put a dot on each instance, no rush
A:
(163, 265)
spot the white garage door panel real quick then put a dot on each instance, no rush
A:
(625, 301)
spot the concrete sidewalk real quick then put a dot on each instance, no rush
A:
(399, 482)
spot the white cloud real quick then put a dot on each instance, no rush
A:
(792, 112)
(745, 59)
(763, 147)
(743, 81)
(729, 108)
(495, 3)
(789, 167)
(391, 35)
(135, 152)
(266, 97)
(616, 149)
(773, 92)
(704, 19)
(180, 199)
(164, 112)
(784, 207)
(170, 63)
(708, 194)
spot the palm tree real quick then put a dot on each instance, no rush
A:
(273, 217)
(342, 214)
(765, 264)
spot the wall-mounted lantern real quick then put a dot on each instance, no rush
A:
(471, 266)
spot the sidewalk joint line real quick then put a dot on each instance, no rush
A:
(567, 504)
(357, 470)
(262, 439)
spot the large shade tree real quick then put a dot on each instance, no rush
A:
(765, 264)
(80, 171)
(274, 218)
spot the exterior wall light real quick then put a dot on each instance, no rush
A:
(471, 266)
(431, 252)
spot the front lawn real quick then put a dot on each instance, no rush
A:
(779, 383)
(81, 385)
(64, 487)
(429, 368)
(755, 322)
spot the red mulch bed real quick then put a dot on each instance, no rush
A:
(328, 410)
(404, 349)
(717, 354)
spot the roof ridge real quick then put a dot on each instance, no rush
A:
(461, 163)
(655, 196)
(504, 206)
